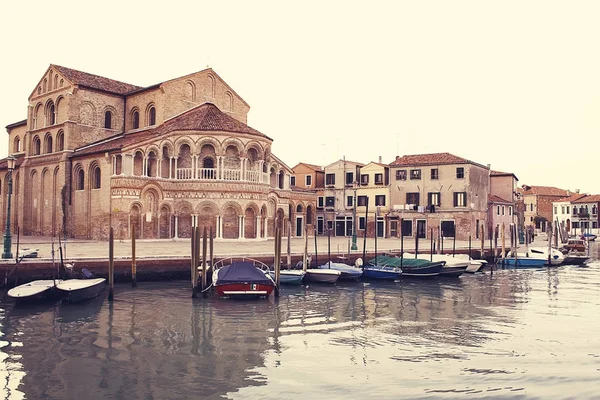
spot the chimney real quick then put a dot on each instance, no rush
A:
(577, 191)
(379, 159)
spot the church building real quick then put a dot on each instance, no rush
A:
(151, 161)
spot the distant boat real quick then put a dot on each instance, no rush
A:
(38, 290)
(590, 237)
(242, 278)
(376, 271)
(28, 253)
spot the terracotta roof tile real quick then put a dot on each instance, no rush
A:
(544, 191)
(570, 198)
(95, 81)
(205, 117)
(492, 198)
(593, 198)
(429, 159)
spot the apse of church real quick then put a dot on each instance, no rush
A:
(95, 153)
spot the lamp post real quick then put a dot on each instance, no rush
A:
(354, 247)
(10, 161)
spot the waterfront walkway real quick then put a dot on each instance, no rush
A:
(180, 248)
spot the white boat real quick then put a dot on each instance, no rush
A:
(28, 253)
(556, 256)
(75, 290)
(322, 275)
(34, 290)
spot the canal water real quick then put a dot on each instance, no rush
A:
(508, 335)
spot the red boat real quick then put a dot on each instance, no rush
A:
(243, 278)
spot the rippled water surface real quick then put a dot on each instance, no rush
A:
(511, 334)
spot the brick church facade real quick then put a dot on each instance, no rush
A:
(158, 160)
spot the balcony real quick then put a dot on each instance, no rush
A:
(214, 174)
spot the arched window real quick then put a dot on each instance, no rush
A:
(60, 141)
(309, 215)
(152, 116)
(136, 119)
(48, 144)
(80, 179)
(108, 120)
(95, 177)
(17, 145)
(51, 114)
(37, 146)
(299, 208)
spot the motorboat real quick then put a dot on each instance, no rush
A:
(453, 266)
(377, 271)
(347, 272)
(523, 261)
(556, 256)
(37, 290)
(76, 290)
(320, 275)
(289, 276)
(242, 278)
(413, 267)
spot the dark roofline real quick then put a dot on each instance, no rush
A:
(15, 124)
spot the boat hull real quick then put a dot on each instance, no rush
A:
(381, 273)
(35, 291)
(575, 260)
(452, 271)
(289, 277)
(244, 290)
(432, 269)
(76, 290)
(321, 275)
(524, 262)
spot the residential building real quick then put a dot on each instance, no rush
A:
(439, 194)
(334, 213)
(585, 214)
(374, 189)
(537, 204)
(562, 212)
(95, 153)
(502, 204)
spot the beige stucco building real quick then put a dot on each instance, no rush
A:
(439, 194)
(94, 153)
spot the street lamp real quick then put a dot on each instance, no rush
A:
(354, 247)
(10, 161)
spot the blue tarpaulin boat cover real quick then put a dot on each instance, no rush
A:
(242, 272)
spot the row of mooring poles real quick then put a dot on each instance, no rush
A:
(200, 259)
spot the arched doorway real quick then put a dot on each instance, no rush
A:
(250, 223)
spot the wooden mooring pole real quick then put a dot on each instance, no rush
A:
(111, 264)
(133, 264)
(194, 259)
(205, 266)
(503, 243)
(277, 260)
(204, 248)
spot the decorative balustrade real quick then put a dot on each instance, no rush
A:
(214, 174)
(185, 173)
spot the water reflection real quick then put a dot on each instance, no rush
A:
(418, 338)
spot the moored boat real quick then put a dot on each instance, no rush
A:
(76, 290)
(522, 261)
(381, 272)
(319, 275)
(556, 256)
(37, 290)
(347, 272)
(289, 276)
(242, 278)
(413, 267)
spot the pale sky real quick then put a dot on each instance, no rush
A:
(514, 84)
